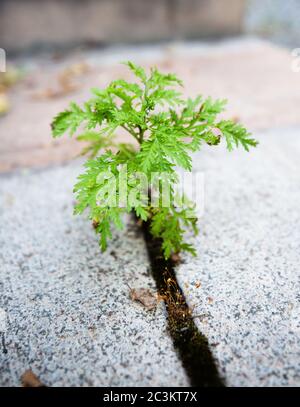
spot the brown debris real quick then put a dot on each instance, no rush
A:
(29, 379)
(7, 80)
(144, 296)
(95, 224)
(4, 103)
(235, 119)
(197, 284)
(175, 258)
(65, 82)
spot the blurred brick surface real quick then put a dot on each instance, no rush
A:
(71, 21)
(194, 18)
(27, 23)
(274, 19)
(256, 78)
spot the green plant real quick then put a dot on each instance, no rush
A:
(166, 129)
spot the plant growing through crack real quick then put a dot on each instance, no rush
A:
(165, 130)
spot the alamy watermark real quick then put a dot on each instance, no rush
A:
(2, 60)
(295, 64)
(159, 190)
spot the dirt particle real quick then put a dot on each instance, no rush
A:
(175, 258)
(197, 284)
(29, 379)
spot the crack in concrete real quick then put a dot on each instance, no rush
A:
(191, 345)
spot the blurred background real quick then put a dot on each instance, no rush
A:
(57, 50)
(34, 24)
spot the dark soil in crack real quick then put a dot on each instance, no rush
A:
(191, 345)
(4, 350)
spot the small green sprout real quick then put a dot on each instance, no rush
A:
(165, 129)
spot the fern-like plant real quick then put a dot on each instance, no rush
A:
(165, 129)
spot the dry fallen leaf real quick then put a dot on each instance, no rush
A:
(29, 379)
(210, 300)
(144, 296)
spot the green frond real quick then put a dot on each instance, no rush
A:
(165, 128)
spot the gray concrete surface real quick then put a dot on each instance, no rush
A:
(69, 315)
(248, 261)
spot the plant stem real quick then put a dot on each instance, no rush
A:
(141, 133)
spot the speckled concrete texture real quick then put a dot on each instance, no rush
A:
(248, 264)
(69, 317)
